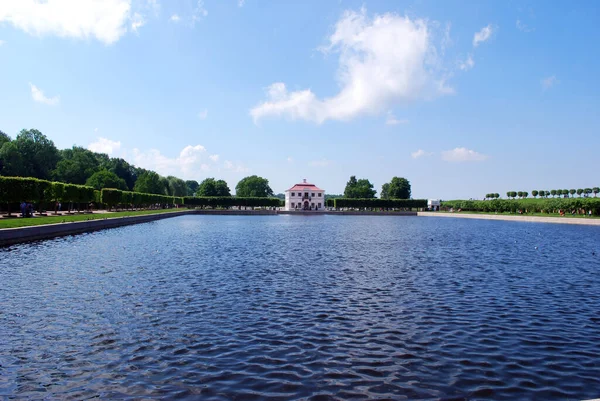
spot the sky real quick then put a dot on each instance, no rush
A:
(462, 98)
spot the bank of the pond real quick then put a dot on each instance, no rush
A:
(530, 219)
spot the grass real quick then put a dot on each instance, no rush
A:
(51, 219)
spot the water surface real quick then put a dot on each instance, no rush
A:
(304, 307)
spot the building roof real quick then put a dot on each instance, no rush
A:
(305, 186)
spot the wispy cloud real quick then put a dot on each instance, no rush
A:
(463, 155)
(483, 35)
(235, 167)
(38, 95)
(524, 28)
(549, 82)
(420, 153)
(104, 145)
(467, 64)
(175, 18)
(392, 120)
(137, 21)
(290, 159)
(199, 12)
(241, 3)
(203, 114)
(214, 158)
(372, 76)
(2, 42)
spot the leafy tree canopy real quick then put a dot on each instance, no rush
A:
(192, 187)
(253, 186)
(121, 168)
(106, 179)
(76, 165)
(11, 161)
(397, 188)
(38, 152)
(177, 186)
(359, 189)
(3, 138)
(150, 182)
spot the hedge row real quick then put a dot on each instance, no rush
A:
(552, 205)
(376, 203)
(113, 197)
(229, 201)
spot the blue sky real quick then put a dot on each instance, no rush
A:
(460, 97)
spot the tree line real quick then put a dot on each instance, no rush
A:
(397, 188)
(543, 205)
(565, 193)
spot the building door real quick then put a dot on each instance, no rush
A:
(306, 205)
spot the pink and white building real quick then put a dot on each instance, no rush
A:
(305, 196)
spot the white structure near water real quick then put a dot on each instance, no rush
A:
(305, 196)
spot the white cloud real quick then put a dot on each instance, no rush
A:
(372, 73)
(105, 20)
(137, 21)
(392, 120)
(95, 129)
(241, 3)
(203, 114)
(199, 11)
(462, 155)
(175, 18)
(235, 167)
(187, 165)
(524, 28)
(290, 159)
(104, 145)
(467, 64)
(549, 82)
(320, 163)
(420, 153)
(2, 42)
(38, 95)
(483, 35)
(214, 158)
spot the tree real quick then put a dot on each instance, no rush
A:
(76, 165)
(38, 152)
(509, 194)
(565, 193)
(121, 168)
(192, 187)
(580, 192)
(149, 182)
(359, 189)
(398, 188)
(595, 190)
(525, 194)
(106, 179)
(11, 161)
(3, 138)
(385, 188)
(534, 193)
(253, 186)
(520, 194)
(177, 186)
(553, 192)
(212, 187)
(572, 192)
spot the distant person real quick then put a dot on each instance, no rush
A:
(23, 206)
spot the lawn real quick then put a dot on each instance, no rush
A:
(36, 221)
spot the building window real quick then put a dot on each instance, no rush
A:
(293, 206)
(319, 205)
(293, 194)
(319, 196)
(306, 194)
(312, 205)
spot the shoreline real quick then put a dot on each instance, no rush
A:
(527, 219)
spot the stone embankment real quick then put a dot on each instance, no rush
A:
(529, 219)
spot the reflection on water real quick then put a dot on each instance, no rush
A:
(319, 307)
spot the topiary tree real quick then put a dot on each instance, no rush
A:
(520, 194)
(534, 193)
(572, 192)
(580, 192)
(553, 193)
(525, 194)
(595, 190)
(587, 192)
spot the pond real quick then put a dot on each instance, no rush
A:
(304, 307)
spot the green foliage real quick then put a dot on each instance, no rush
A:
(192, 187)
(212, 187)
(379, 203)
(543, 205)
(253, 186)
(177, 186)
(76, 165)
(38, 152)
(11, 160)
(150, 182)
(398, 188)
(595, 190)
(232, 201)
(122, 169)
(106, 179)
(362, 189)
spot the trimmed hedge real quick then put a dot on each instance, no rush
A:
(376, 203)
(113, 197)
(551, 205)
(229, 201)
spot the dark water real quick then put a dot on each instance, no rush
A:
(304, 307)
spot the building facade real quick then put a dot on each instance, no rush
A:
(305, 196)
